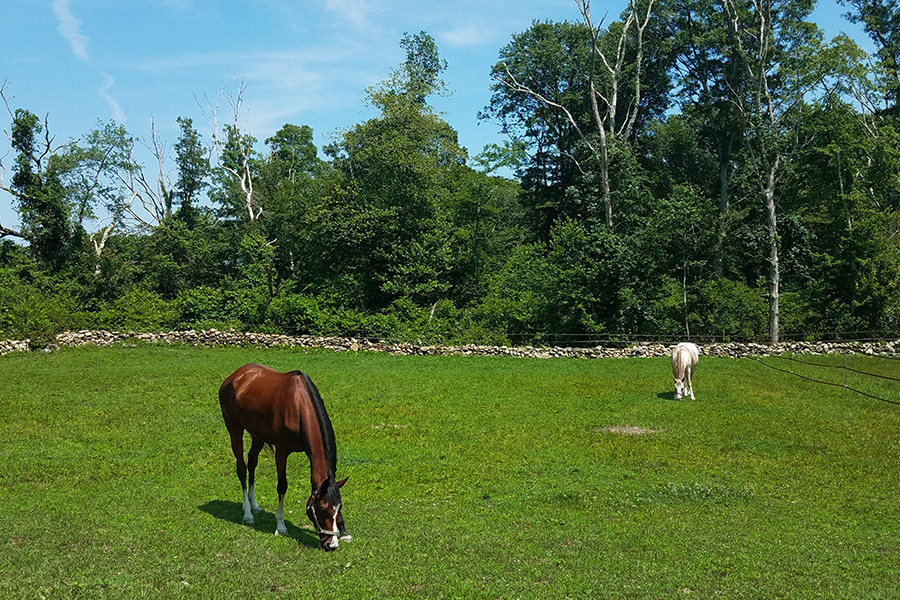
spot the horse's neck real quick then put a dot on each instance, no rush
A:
(315, 451)
(318, 469)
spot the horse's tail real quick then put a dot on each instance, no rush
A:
(683, 361)
(678, 362)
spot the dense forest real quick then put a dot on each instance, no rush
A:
(694, 168)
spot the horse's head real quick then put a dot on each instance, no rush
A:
(324, 510)
(680, 388)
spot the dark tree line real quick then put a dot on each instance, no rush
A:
(697, 167)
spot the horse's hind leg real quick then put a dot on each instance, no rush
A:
(237, 447)
(256, 446)
(689, 387)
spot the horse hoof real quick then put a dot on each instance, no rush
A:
(278, 532)
(346, 538)
(249, 521)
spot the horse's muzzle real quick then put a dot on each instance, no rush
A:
(329, 544)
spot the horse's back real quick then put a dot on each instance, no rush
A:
(686, 352)
(263, 401)
(238, 386)
(684, 359)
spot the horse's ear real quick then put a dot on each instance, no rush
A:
(323, 489)
(341, 483)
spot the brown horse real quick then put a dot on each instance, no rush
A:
(285, 410)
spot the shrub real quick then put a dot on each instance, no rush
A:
(295, 314)
(27, 313)
(726, 307)
(138, 310)
(206, 307)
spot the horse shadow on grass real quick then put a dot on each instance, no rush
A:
(667, 396)
(264, 522)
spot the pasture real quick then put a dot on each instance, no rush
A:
(469, 478)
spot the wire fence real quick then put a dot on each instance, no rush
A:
(618, 339)
(622, 339)
(844, 368)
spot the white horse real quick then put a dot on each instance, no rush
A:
(684, 360)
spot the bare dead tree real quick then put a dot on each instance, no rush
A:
(154, 194)
(144, 201)
(112, 173)
(755, 32)
(607, 82)
(243, 170)
(758, 107)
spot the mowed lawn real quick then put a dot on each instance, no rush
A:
(469, 478)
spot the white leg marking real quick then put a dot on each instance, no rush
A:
(280, 528)
(345, 537)
(248, 516)
(253, 505)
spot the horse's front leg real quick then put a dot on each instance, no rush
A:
(281, 469)
(344, 535)
(256, 447)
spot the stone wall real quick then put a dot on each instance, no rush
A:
(212, 338)
(13, 345)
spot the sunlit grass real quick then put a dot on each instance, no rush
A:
(469, 478)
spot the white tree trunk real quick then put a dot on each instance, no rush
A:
(774, 274)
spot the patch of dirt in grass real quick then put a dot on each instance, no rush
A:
(627, 430)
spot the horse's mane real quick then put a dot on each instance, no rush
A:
(324, 423)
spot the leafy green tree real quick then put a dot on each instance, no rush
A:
(291, 182)
(192, 161)
(37, 185)
(394, 208)
(773, 44)
(487, 224)
(234, 176)
(103, 167)
(420, 75)
(881, 20)
(845, 193)
(608, 103)
(709, 69)
(293, 153)
(550, 59)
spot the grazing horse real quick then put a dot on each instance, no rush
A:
(684, 360)
(285, 410)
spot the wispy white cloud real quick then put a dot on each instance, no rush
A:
(280, 87)
(468, 35)
(284, 87)
(70, 28)
(356, 12)
(178, 5)
(118, 114)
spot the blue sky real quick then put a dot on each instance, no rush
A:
(306, 62)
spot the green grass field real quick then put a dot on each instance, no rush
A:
(469, 478)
